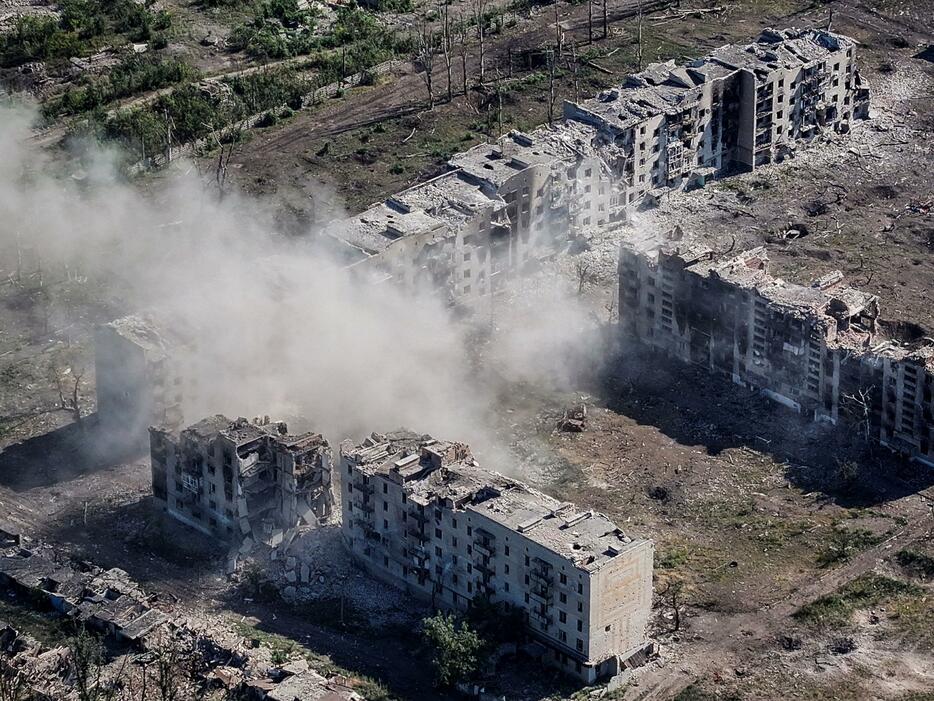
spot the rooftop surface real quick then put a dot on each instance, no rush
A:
(441, 472)
(665, 87)
(827, 296)
(242, 432)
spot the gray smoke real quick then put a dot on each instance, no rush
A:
(279, 328)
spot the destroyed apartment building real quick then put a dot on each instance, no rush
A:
(501, 206)
(668, 127)
(136, 371)
(737, 108)
(420, 514)
(821, 350)
(241, 481)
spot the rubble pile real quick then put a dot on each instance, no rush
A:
(139, 629)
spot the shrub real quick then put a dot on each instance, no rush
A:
(134, 75)
(79, 28)
(457, 649)
(916, 562)
(267, 120)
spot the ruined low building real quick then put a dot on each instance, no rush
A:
(820, 349)
(107, 601)
(422, 515)
(241, 480)
(137, 380)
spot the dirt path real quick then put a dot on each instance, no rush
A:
(404, 93)
(732, 641)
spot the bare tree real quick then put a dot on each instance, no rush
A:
(479, 9)
(551, 87)
(67, 373)
(225, 152)
(673, 594)
(572, 66)
(590, 21)
(88, 662)
(447, 44)
(498, 87)
(640, 35)
(582, 268)
(462, 41)
(557, 30)
(610, 306)
(425, 57)
(606, 23)
(859, 408)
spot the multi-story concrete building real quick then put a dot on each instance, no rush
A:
(241, 479)
(137, 382)
(821, 350)
(665, 128)
(736, 109)
(501, 206)
(421, 514)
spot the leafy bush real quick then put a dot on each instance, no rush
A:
(82, 25)
(397, 6)
(279, 29)
(916, 562)
(132, 76)
(194, 113)
(457, 649)
(37, 39)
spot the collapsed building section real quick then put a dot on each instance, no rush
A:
(669, 127)
(104, 600)
(675, 127)
(422, 515)
(503, 205)
(132, 621)
(137, 380)
(821, 350)
(241, 480)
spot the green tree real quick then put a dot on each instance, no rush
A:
(457, 649)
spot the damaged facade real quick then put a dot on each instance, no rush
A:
(241, 480)
(820, 350)
(422, 515)
(675, 127)
(669, 127)
(500, 207)
(137, 380)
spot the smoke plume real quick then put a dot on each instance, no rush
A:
(278, 328)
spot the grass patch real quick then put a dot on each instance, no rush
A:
(672, 559)
(50, 629)
(917, 563)
(844, 543)
(869, 590)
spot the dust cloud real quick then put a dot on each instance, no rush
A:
(278, 328)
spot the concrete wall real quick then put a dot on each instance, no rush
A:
(451, 557)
